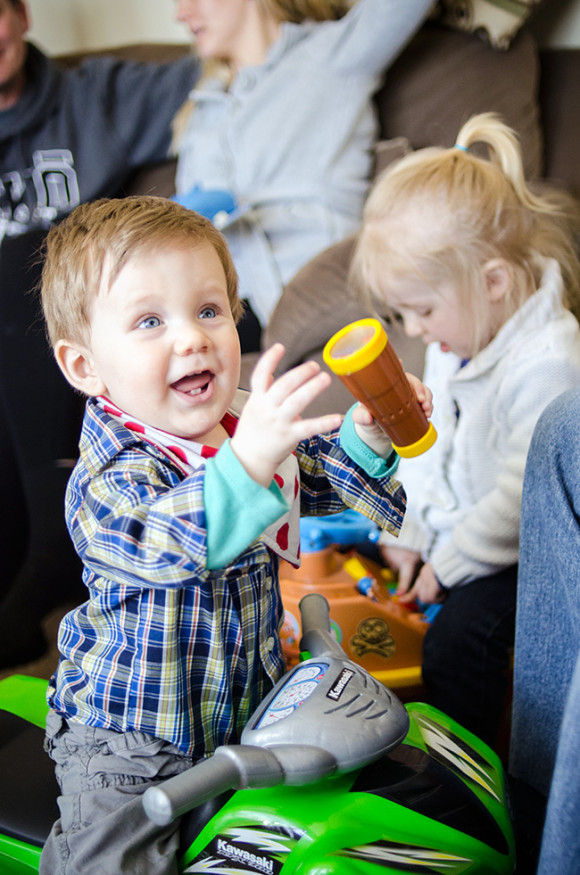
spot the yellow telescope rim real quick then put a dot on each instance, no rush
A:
(359, 358)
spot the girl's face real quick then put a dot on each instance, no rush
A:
(164, 346)
(219, 27)
(434, 315)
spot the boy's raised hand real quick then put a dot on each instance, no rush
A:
(271, 425)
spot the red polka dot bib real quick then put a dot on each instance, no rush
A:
(283, 536)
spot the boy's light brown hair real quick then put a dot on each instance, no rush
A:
(97, 239)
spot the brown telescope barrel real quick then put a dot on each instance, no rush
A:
(361, 355)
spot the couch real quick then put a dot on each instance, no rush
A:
(441, 78)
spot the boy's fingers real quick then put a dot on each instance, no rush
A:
(304, 381)
(296, 401)
(320, 425)
(263, 373)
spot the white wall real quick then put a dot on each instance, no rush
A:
(71, 25)
(74, 25)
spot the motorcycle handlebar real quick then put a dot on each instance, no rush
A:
(314, 612)
(229, 768)
(174, 797)
(316, 637)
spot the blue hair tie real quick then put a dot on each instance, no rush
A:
(462, 148)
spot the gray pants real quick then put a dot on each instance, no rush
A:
(103, 826)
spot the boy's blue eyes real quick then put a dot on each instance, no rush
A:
(150, 322)
(208, 313)
(154, 321)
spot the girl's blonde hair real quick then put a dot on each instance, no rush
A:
(95, 242)
(295, 11)
(440, 214)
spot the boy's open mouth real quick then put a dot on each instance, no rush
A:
(194, 384)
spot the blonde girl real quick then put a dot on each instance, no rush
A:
(278, 148)
(484, 271)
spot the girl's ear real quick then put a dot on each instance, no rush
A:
(498, 279)
(76, 364)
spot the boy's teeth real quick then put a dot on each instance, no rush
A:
(194, 383)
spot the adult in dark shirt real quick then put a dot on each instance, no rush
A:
(66, 136)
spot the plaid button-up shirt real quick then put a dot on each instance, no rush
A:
(166, 645)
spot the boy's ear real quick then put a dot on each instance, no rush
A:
(76, 364)
(498, 278)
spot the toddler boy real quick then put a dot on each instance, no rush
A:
(186, 493)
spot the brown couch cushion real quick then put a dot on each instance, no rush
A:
(443, 77)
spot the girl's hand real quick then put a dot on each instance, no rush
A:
(426, 588)
(423, 393)
(362, 416)
(406, 563)
(371, 432)
(270, 426)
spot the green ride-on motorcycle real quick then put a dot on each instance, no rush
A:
(333, 776)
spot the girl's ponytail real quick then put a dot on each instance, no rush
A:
(504, 151)
(442, 213)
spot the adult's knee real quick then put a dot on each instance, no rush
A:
(551, 490)
(555, 437)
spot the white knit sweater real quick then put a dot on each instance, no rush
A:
(464, 494)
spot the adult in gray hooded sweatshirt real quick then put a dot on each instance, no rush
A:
(66, 136)
(72, 135)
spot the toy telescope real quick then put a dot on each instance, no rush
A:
(361, 355)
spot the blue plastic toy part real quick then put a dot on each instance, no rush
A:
(214, 204)
(366, 586)
(430, 611)
(346, 528)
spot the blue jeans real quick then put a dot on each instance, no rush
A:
(546, 705)
(561, 839)
(548, 612)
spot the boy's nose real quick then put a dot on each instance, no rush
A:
(190, 338)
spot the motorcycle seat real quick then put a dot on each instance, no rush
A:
(28, 806)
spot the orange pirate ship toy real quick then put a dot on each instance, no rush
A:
(375, 630)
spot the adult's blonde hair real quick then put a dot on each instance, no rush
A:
(301, 10)
(295, 11)
(440, 214)
(97, 239)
